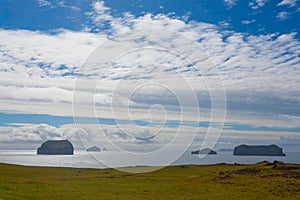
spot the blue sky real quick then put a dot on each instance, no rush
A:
(45, 47)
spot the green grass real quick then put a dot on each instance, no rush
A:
(223, 181)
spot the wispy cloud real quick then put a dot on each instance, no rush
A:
(100, 15)
(290, 3)
(245, 61)
(43, 3)
(256, 4)
(283, 15)
(56, 4)
(248, 21)
(230, 3)
(64, 5)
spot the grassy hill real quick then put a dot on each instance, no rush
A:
(223, 181)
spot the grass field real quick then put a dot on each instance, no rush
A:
(223, 181)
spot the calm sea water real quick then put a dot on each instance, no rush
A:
(83, 159)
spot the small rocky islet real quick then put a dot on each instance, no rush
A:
(205, 151)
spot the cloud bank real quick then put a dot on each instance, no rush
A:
(260, 72)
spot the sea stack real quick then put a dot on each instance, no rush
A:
(205, 151)
(258, 150)
(94, 148)
(56, 147)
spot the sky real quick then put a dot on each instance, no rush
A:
(144, 75)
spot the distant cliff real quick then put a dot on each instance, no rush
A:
(205, 151)
(56, 147)
(259, 150)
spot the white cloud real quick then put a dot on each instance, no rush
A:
(38, 50)
(43, 3)
(248, 21)
(230, 3)
(100, 14)
(290, 3)
(283, 15)
(56, 4)
(38, 133)
(64, 5)
(256, 4)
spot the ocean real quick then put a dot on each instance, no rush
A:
(84, 159)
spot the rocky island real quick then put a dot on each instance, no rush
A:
(56, 147)
(205, 151)
(258, 150)
(94, 148)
